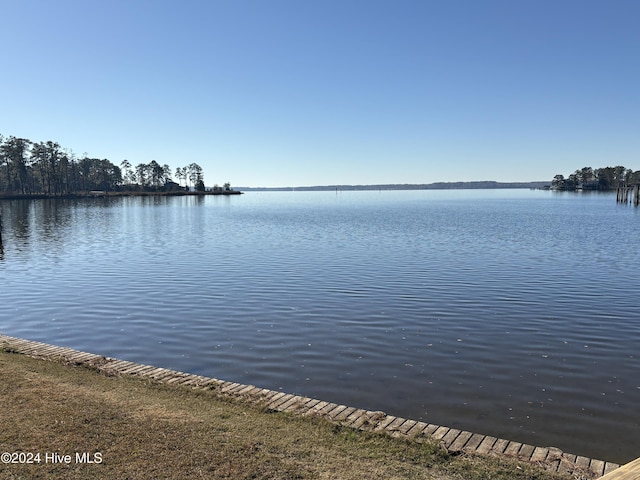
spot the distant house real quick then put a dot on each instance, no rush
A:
(170, 186)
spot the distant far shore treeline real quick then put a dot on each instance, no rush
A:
(587, 178)
(407, 186)
(45, 168)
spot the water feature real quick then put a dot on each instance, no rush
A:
(512, 313)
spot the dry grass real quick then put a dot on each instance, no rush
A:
(147, 430)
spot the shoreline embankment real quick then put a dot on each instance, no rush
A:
(453, 440)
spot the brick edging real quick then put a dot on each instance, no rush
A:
(454, 440)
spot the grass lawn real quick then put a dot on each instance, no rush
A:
(137, 429)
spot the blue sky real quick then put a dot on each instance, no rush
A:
(291, 93)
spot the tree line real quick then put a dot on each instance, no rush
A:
(587, 178)
(45, 168)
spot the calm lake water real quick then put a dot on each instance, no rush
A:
(513, 313)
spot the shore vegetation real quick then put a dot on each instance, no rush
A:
(604, 179)
(46, 169)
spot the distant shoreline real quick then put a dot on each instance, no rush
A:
(100, 194)
(397, 186)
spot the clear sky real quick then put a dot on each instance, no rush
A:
(315, 92)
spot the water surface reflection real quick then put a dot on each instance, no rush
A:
(511, 313)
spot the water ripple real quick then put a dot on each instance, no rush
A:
(511, 313)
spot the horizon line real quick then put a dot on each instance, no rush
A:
(396, 185)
